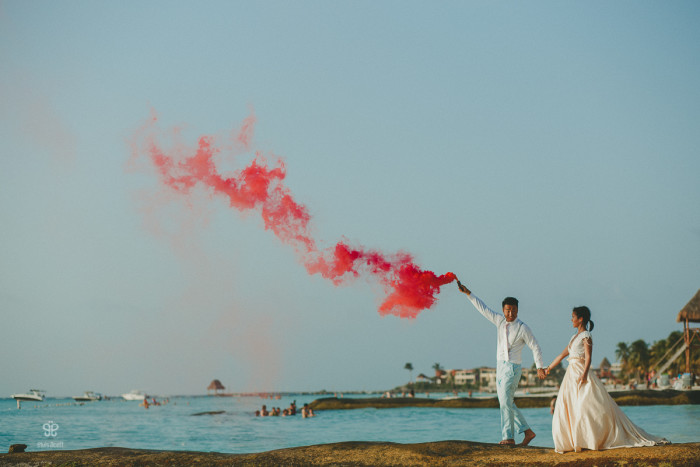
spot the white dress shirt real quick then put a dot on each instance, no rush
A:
(512, 337)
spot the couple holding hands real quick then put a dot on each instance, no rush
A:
(585, 416)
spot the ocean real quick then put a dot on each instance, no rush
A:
(65, 424)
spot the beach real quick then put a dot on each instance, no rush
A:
(441, 453)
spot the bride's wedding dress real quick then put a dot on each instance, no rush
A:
(586, 417)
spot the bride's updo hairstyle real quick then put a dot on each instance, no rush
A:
(585, 313)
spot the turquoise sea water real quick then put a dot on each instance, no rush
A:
(237, 430)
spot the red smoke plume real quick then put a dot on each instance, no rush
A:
(261, 187)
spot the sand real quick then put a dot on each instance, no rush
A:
(442, 453)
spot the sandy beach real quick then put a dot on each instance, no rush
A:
(442, 453)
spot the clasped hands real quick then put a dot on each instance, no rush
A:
(542, 373)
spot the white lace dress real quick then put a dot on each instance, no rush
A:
(586, 417)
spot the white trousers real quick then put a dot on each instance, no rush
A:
(507, 378)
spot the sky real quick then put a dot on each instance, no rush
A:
(542, 150)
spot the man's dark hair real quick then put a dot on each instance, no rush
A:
(512, 301)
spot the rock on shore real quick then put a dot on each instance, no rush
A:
(640, 397)
(360, 453)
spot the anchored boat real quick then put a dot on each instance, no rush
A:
(32, 395)
(134, 396)
(88, 396)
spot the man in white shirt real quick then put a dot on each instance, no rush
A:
(513, 335)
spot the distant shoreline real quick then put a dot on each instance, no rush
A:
(635, 397)
(441, 453)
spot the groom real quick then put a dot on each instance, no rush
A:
(513, 335)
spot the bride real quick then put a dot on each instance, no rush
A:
(585, 416)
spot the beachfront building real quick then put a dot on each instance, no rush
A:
(483, 378)
(528, 377)
(604, 370)
(476, 377)
(616, 370)
(487, 378)
(421, 378)
(464, 377)
(440, 376)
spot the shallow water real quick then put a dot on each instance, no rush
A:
(237, 430)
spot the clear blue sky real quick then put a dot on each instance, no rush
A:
(546, 150)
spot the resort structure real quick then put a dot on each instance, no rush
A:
(691, 336)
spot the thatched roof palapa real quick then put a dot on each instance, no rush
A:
(691, 310)
(216, 386)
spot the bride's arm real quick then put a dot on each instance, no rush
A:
(557, 360)
(587, 352)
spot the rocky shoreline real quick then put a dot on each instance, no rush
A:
(359, 453)
(637, 397)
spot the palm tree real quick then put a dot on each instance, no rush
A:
(438, 372)
(657, 351)
(409, 367)
(639, 357)
(622, 353)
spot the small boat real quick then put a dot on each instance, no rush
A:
(134, 395)
(33, 395)
(88, 396)
(450, 398)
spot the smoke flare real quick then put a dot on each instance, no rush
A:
(259, 186)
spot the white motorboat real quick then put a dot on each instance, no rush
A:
(88, 396)
(32, 395)
(134, 395)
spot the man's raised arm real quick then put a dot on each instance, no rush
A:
(488, 313)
